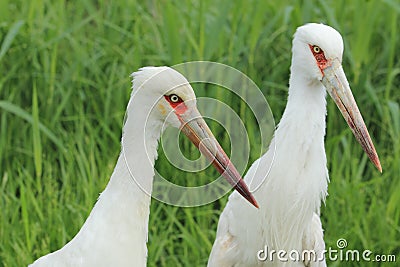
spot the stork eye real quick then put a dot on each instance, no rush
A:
(174, 98)
(176, 103)
(317, 49)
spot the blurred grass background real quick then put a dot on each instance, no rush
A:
(64, 86)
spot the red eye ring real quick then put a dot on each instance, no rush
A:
(319, 56)
(174, 99)
(176, 103)
(317, 49)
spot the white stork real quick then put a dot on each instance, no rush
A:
(115, 233)
(294, 167)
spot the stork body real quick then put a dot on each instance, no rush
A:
(115, 233)
(290, 203)
(294, 167)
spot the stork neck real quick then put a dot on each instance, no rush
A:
(119, 220)
(299, 139)
(139, 143)
(296, 181)
(306, 106)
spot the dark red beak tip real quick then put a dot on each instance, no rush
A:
(255, 204)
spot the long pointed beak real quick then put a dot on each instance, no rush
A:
(338, 88)
(196, 129)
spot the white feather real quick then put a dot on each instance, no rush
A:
(290, 197)
(115, 233)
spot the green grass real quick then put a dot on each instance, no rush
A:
(64, 86)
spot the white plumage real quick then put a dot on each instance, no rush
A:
(115, 233)
(290, 196)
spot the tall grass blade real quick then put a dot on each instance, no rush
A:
(37, 145)
(10, 37)
(10, 107)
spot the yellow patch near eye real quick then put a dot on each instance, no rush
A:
(162, 109)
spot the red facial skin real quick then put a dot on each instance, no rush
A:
(220, 160)
(319, 56)
(179, 106)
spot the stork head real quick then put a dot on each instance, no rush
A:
(315, 47)
(317, 53)
(170, 99)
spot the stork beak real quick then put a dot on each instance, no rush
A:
(336, 84)
(196, 129)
